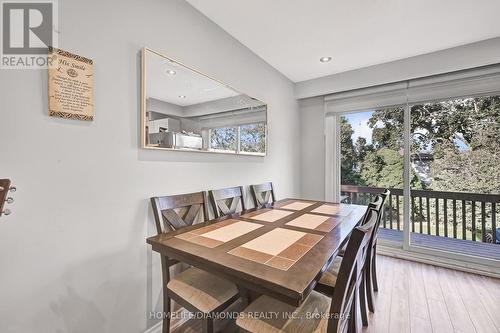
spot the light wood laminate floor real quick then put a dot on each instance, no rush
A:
(415, 297)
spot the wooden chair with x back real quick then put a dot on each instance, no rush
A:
(196, 290)
(263, 194)
(350, 279)
(371, 263)
(370, 269)
(227, 201)
(329, 278)
(333, 314)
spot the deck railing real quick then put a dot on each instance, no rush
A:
(458, 215)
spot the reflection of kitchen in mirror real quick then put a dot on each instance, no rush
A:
(186, 110)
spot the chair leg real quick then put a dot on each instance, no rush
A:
(353, 322)
(245, 296)
(208, 325)
(362, 302)
(166, 312)
(374, 268)
(165, 268)
(369, 285)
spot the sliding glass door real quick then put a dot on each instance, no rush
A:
(372, 159)
(455, 160)
(435, 143)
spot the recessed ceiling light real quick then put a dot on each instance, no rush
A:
(170, 72)
(182, 96)
(325, 59)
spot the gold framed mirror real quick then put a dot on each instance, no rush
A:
(183, 109)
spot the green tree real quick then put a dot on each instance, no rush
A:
(349, 160)
(223, 138)
(253, 138)
(436, 128)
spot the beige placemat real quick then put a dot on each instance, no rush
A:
(272, 215)
(274, 241)
(308, 221)
(279, 248)
(298, 205)
(218, 233)
(232, 231)
(333, 209)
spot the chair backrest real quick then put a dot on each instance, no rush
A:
(374, 205)
(226, 201)
(380, 208)
(263, 194)
(178, 211)
(350, 274)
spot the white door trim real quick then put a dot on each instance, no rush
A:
(332, 158)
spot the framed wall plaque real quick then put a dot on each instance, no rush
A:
(71, 90)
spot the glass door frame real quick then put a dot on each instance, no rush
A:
(407, 245)
(333, 186)
(333, 156)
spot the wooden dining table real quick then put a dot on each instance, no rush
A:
(279, 251)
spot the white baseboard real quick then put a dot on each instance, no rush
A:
(156, 328)
(436, 260)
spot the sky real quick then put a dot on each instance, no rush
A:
(359, 123)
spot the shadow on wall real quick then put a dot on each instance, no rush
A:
(79, 305)
(94, 294)
(78, 314)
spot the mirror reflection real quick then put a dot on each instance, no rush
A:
(183, 109)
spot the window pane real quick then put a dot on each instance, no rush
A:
(455, 154)
(223, 138)
(371, 148)
(372, 159)
(253, 138)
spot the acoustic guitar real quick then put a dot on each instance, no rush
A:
(5, 188)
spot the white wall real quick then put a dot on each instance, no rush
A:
(313, 148)
(73, 255)
(156, 105)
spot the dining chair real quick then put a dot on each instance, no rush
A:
(370, 270)
(328, 279)
(194, 289)
(318, 313)
(263, 194)
(371, 263)
(227, 201)
(376, 204)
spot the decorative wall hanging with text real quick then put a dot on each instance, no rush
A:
(71, 85)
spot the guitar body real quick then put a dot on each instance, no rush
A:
(5, 188)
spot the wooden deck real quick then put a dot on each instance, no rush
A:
(419, 298)
(486, 250)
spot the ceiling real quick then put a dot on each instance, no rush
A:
(291, 35)
(192, 86)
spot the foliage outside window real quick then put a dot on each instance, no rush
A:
(245, 139)
(454, 147)
(462, 135)
(253, 138)
(224, 139)
(375, 160)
